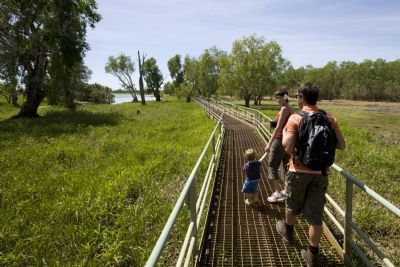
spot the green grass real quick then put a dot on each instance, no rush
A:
(372, 133)
(96, 186)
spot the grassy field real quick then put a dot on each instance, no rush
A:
(372, 133)
(93, 187)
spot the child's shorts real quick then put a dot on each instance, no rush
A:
(250, 187)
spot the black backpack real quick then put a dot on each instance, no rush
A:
(316, 142)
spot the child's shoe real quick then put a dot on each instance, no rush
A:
(248, 202)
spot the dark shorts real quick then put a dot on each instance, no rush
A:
(305, 193)
(277, 155)
(250, 187)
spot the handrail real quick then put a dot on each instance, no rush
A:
(195, 203)
(348, 225)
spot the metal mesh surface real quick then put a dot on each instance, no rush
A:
(238, 235)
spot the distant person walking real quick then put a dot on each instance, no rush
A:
(274, 146)
(307, 180)
(252, 171)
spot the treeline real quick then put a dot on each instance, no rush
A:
(255, 68)
(369, 80)
(96, 93)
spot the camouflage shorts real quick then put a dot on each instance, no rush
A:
(306, 193)
(276, 156)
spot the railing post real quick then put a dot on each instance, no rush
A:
(347, 222)
(193, 214)
(213, 147)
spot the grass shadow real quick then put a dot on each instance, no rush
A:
(57, 123)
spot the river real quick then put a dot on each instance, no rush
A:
(126, 98)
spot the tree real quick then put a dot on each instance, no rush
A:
(8, 72)
(225, 81)
(191, 74)
(291, 77)
(95, 93)
(168, 88)
(141, 73)
(175, 70)
(255, 66)
(123, 68)
(153, 77)
(64, 84)
(36, 31)
(208, 71)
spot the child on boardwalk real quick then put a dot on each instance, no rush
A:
(252, 173)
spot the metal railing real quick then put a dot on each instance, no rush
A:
(196, 203)
(259, 120)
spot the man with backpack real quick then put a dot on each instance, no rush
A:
(310, 137)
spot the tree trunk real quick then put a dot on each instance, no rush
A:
(34, 96)
(14, 99)
(247, 101)
(157, 95)
(69, 100)
(188, 98)
(141, 87)
(34, 93)
(259, 98)
(134, 97)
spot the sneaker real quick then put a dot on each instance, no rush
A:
(310, 258)
(247, 201)
(276, 197)
(287, 235)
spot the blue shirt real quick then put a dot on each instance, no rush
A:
(252, 170)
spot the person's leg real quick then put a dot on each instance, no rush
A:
(313, 212)
(274, 160)
(315, 234)
(296, 186)
(290, 218)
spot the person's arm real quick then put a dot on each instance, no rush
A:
(263, 157)
(288, 142)
(285, 112)
(341, 143)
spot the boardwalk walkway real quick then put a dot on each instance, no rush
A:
(238, 235)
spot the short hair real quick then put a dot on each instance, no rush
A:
(309, 92)
(283, 91)
(250, 154)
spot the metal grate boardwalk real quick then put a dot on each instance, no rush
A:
(238, 235)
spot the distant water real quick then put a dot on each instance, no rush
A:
(126, 98)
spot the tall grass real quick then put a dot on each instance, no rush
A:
(93, 187)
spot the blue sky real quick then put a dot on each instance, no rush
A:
(310, 32)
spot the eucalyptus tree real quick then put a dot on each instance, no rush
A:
(153, 77)
(327, 78)
(191, 74)
(123, 68)
(64, 83)
(256, 64)
(37, 31)
(291, 77)
(208, 71)
(141, 59)
(8, 73)
(225, 82)
(176, 70)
